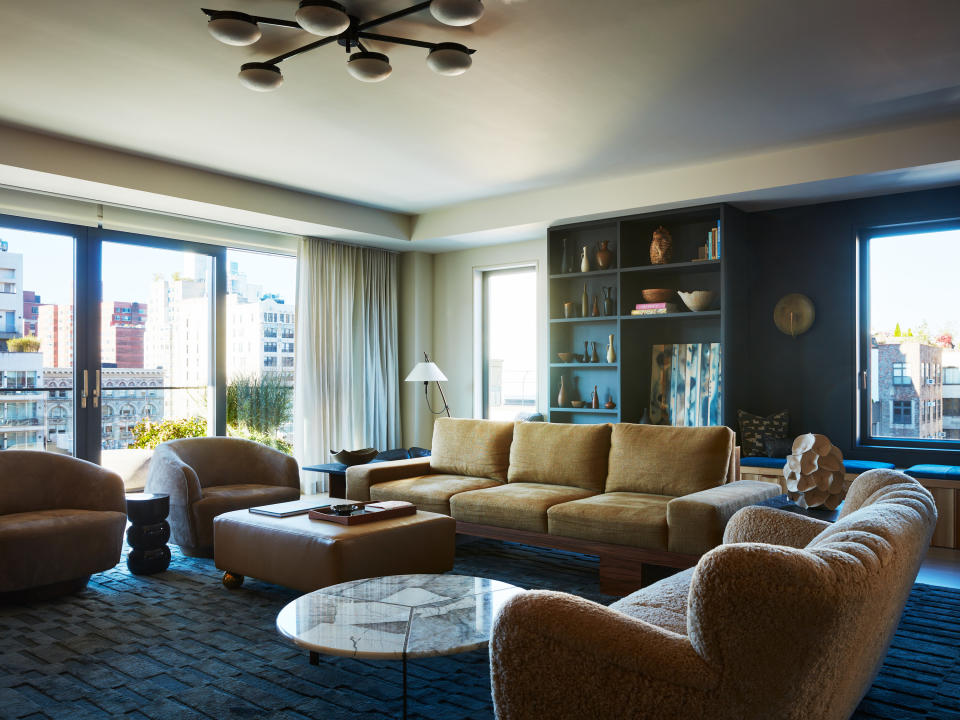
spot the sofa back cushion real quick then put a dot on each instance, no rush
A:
(558, 454)
(664, 460)
(479, 448)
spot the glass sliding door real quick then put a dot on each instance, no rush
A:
(157, 318)
(260, 350)
(37, 351)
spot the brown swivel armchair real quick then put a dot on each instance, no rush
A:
(205, 477)
(61, 520)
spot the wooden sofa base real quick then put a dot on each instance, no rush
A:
(622, 569)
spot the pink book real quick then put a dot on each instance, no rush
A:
(651, 306)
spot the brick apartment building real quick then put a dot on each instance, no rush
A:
(908, 395)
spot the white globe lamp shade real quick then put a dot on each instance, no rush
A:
(449, 59)
(456, 12)
(233, 28)
(322, 17)
(261, 77)
(369, 66)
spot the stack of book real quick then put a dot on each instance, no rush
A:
(657, 308)
(710, 250)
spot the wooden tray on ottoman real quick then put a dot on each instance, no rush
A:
(372, 511)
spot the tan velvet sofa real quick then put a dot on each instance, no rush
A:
(205, 477)
(789, 619)
(61, 520)
(631, 494)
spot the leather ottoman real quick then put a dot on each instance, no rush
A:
(306, 554)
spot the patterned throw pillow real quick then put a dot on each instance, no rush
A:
(754, 427)
(775, 447)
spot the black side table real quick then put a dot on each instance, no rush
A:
(148, 533)
(338, 477)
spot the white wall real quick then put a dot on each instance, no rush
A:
(454, 344)
(415, 337)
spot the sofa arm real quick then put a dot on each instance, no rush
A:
(361, 477)
(696, 522)
(773, 526)
(560, 656)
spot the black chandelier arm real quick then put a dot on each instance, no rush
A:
(403, 41)
(303, 49)
(258, 19)
(394, 15)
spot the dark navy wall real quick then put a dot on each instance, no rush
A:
(812, 250)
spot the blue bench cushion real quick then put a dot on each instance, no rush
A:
(947, 472)
(763, 462)
(852, 466)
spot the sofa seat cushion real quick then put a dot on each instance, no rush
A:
(50, 546)
(430, 493)
(477, 448)
(664, 460)
(620, 518)
(663, 604)
(518, 506)
(224, 498)
(560, 454)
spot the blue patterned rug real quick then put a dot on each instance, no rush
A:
(180, 645)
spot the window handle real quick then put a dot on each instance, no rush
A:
(83, 393)
(96, 388)
(863, 379)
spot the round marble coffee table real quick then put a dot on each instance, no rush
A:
(396, 617)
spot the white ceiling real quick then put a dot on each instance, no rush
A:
(561, 91)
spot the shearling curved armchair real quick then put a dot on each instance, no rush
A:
(205, 477)
(791, 630)
(61, 520)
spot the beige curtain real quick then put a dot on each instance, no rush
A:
(347, 384)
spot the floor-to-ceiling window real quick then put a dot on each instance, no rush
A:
(36, 347)
(261, 315)
(509, 342)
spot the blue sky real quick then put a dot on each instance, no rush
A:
(915, 278)
(129, 269)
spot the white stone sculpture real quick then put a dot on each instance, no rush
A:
(814, 473)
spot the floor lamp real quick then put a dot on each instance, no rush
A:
(428, 372)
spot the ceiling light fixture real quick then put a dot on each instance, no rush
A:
(449, 59)
(322, 17)
(261, 77)
(331, 20)
(233, 28)
(456, 12)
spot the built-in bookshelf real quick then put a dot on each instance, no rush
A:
(626, 381)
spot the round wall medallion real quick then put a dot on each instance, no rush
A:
(794, 314)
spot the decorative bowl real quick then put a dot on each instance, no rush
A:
(698, 300)
(577, 403)
(354, 457)
(565, 357)
(579, 358)
(653, 295)
(345, 509)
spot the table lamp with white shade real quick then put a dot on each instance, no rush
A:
(428, 372)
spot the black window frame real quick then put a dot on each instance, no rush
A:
(864, 437)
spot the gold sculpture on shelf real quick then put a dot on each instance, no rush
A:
(661, 247)
(814, 473)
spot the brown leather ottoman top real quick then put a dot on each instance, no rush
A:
(306, 554)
